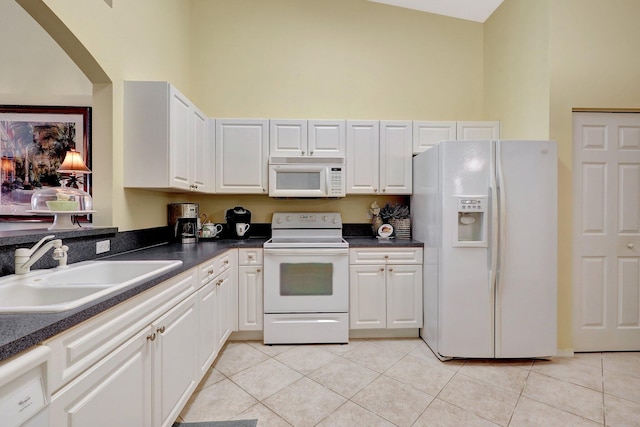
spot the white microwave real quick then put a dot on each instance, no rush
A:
(307, 177)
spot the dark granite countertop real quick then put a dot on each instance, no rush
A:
(372, 242)
(20, 331)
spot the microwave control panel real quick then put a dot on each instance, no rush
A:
(336, 182)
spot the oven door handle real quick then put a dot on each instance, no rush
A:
(307, 251)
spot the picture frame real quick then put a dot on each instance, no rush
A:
(33, 144)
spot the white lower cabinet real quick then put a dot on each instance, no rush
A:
(116, 389)
(385, 288)
(138, 381)
(207, 341)
(250, 290)
(175, 360)
(140, 361)
(226, 314)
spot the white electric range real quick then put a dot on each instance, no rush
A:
(306, 279)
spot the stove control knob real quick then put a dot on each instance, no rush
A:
(325, 218)
(334, 220)
(279, 220)
(288, 218)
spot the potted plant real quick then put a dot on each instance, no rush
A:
(399, 217)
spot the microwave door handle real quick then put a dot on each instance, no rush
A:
(327, 181)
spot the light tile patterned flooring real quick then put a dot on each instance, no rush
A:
(399, 382)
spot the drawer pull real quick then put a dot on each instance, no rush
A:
(258, 270)
(161, 329)
(151, 337)
(210, 272)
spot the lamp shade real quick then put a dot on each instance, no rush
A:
(73, 163)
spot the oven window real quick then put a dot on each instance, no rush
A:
(298, 180)
(304, 279)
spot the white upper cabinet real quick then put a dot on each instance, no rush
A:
(319, 138)
(477, 131)
(379, 157)
(165, 140)
(428, 134)
(363, 156)
(242, 155)
(326, 138)
(396, 148)
(287, 138)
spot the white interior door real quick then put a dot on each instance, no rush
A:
(606, 236)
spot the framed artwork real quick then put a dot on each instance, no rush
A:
(33, 143)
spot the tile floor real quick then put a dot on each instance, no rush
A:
(399, 382)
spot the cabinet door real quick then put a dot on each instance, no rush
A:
(180, 148)
(428, 134)
(98, 395)
(404, 296)
(287, 137)
(477, 131)
(242, 148)
(227, 308)
(250, 309)
(363, 154)
(367, 306)
(327, 138)
(207, 340)
(201, 156)
(396, 157)
(175, 362)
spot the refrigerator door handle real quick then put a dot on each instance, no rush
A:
(493, 244)
(502, 209)
(495, 230)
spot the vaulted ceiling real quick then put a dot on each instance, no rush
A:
(471, 10)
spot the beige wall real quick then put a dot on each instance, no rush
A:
(34, 69)
(350, 59)
(330, 59)
(516, 68)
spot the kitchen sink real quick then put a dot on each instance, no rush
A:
(61, 289)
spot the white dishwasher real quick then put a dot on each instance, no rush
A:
(24, 392)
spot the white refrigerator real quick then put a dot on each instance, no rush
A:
(487, 214)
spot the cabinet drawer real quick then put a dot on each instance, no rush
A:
(82, 346)
(209, 269)
(250, 256)
(385, 256)
(223, 262)
(206, 272)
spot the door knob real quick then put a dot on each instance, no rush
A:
(630, 245)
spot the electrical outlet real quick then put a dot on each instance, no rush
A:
(103, 246)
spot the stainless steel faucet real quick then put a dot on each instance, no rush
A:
(26, 257)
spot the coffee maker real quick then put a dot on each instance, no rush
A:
(183, 222)
(238, 222)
